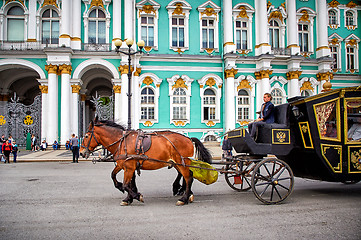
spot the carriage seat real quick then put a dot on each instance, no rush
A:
(281, 113)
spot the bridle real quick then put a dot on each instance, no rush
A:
(92, 135)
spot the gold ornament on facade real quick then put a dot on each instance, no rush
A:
(50, 2)
(209, 11)
(263, 74)
(334, 4)
(244, 122)
(269, 4)
(43, 88)
(97, 3)
(210, 124)
(123, 69)
(148, 81)
(293, 75)
(209, 51)
(356, 159)
(137, 71)
(211, 82)
(51, 68)
(351, 4)
(180, 83)
(324, 76)
(284, 6)
(334, 42)
(242, 13)
(179, 123)
(178, 10)
(277, 15)
(22, 2)
(351, 42)
(2, 120)
(65, 69)
(75, 88)
(28, 120)
(179, 51)
(148, 9)
(307, 85)
(220, 86)
(306, 54)
(243, 84)
(230, 72)
(305, 17)
(243, 52)
(148, 123)
(117, 89)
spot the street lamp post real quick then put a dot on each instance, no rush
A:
(129, 42)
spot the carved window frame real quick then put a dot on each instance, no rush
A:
(337, 18)
(209, 11)
(244, 13)
(306, 16)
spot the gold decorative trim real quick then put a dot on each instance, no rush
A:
(31, 40)
(28, 120)
(148, 48)
(242, 13)
(324, 76)
(351, 42)
(148, 80)
(97, 3)
(334, 41)
(209, 50)
(50, 2)
(211, 82)
(2, 120)
(243, 51)
(230, 72)
(293, 75)
(178, 10)
(263, 74)
(243, 84)
(324, 148)
(333, 26)
(354, 158)
(64, 36)
(180, 83)
(305, 131)
(209, 11)
(351, 27)
(228, 43)
(75, 88)
(277, 15)
(117, 89)
(305, 17)
(179, 51)
(22, 2)
(281, 136)
(124, 69)
(306, 54)
(346, 100)
(322, 47)
(179, 123)
(269, 4)
(137, 72)
(210, 124)
(334, 4)
(148, 123)
(293, 46)
(43, 88)
(261, 45)
(76, 39)
(51, 69)
(148, 9)
(307, 85)
(65, 69)
(351, 4)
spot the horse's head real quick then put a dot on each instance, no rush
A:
(89, 141)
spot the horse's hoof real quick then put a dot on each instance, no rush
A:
(124, 203)
(191, 198)
(180, 203)
(141, 198)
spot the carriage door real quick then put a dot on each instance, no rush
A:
(329, 127)
(353, 133)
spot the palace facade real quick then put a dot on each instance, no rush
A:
(204, 68)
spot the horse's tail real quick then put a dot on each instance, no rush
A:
(202, 152)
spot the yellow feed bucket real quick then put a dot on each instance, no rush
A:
(203, 175)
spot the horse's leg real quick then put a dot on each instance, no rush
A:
(129, 177)
(117, 184)
(188, 177)
(176, 185)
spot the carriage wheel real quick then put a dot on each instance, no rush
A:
(272, 181)
(239, 182)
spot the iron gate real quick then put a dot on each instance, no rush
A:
(104, 107)
(18, 119)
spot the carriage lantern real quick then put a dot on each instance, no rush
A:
(129, 42)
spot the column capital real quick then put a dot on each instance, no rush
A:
(75, 88)
(293, 75)
(51, 69)
(43, 88)
(325, 76)
(123, 69)
(65, 69)
(263, 74)
(137, 72)
(230, 72)
(117, 88)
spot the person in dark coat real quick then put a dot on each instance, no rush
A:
(15, 150)
(226, 147)
(7, 148)
(266, 115)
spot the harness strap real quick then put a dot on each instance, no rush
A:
(183, 163)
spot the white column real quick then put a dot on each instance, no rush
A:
(52, 118)
(136, 99)
(65, 103)
(322, 34)
(123, 97)
(75, 109)
(117, 20)
(44, 110)
(229, 102)
(64, 38)
(292, 27)
(117, 89)
(228, 43)
(262, 45)
(32, 20)
(129, 21)
(259, 97)
(76, 25)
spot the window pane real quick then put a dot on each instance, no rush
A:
(46, 14)
(16, 11)
(181, 37)
(174, 37)
(46, 32)
(101, 32)
(92, 14)
(204, 38)
(150, 36)
(92, 32)
(15, 30)
(211, 38)
(101, 14)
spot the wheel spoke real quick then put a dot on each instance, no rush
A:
(265, 189)
(279, 195)
(281, 185)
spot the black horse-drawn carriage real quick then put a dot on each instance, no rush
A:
(317, 137)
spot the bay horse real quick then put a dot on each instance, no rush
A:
(168, 149)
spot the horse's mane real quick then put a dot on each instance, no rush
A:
(110, 124)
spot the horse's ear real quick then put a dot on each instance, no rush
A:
(96, 119)
(91, 125)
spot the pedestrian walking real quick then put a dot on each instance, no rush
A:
(74, 143)
(15, 151)
(226, 147)
(33, 143)
(7, 149)
(2, 141)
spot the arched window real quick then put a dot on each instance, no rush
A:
(350, 18)
(97, 27)
(274, 34)
(179, 104)
(332, 17)
(15, 24)
(147, 104)
(243, 105)
(209, 105)
(50, 27)
(276, 96)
